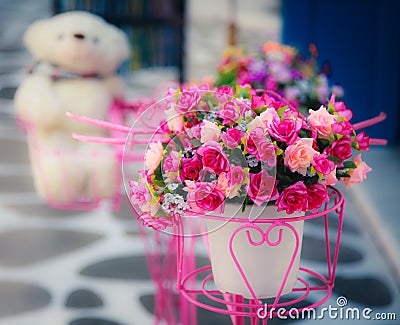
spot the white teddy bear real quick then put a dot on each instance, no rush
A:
(77, 54)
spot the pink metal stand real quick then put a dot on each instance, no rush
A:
(167, 271)
(240, 308)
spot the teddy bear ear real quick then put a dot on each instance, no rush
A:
(120, 44)
(34, 37)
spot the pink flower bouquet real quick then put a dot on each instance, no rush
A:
(222, 145)
(282, 69)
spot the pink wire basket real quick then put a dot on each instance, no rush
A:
(197, 286)
(66, 198)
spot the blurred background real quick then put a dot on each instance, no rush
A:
(88, 267)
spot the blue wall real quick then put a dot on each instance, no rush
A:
(361, 41)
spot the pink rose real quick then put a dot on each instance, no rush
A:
(358, 174)
(322, 121)
(209, 131)
(322, 164)
(344, 128)
(341, 108)
(269, 115)
(235, 176)
(223, 184)
(257, 122)
(232, 137)
(258, 146)
(286, 130)
(195, 131)
(190, 168)
(213, 157)
(266, 153)
(331, 179)
(188, 100)
(265, 100)
(261, 187)
(293, 198)
(139, 193)
(206, 197)
(153, 156)
(229, 113)
(174, 120)
(317, 194)
(244, 106)
(363, 141)
(223, 94)
(299, 155)
(171, 162)
(340, 148)
(253, 141)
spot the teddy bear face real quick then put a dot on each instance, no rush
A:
(79, 42)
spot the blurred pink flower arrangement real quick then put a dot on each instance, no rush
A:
(240, 145)
(280, 68)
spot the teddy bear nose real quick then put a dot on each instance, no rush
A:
(79, 36)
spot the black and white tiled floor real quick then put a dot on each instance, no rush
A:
(84, 268)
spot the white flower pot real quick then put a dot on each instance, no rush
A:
(264, 265)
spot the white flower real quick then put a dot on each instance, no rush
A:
(209, 131)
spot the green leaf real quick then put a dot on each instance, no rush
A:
(336, 160)
(281, 110)
(178, 143)
(322, 144)
(195, 143)
(304, 133)
(349, 164)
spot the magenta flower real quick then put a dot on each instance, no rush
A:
(363, 141)
(213, 157)
(317, 194)
(229, 113)
(286, 130)
(206, 197)
(261, 187)
(232, 137)
(190, 168)
(341, 108)
(344, 128)
(264, 100)
(340, 148)
(322, 164)
(188, 100)
(293, 198)
(223, 94)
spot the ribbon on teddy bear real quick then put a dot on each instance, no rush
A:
(56, 73)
